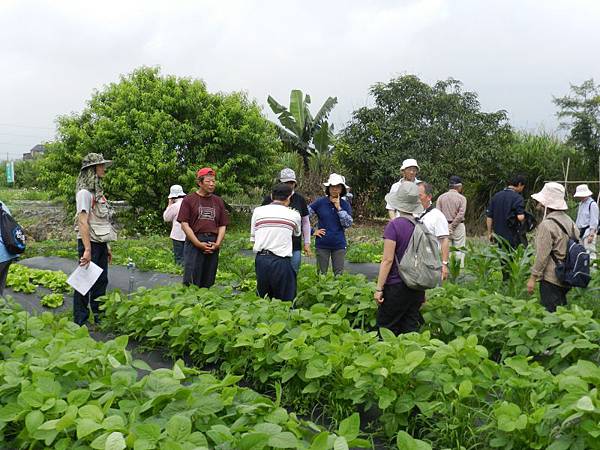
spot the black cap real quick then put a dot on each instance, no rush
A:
(454, 179)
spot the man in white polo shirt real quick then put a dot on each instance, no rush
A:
(272, 229)
(409, 170)
(435, 221)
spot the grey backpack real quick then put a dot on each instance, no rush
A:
(421, 265)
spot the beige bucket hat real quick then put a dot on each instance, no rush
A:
(405, 199)
(582, 191)
(552, 196)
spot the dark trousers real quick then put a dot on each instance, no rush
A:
(399, 311)
(3, 273)
(178, 252)
(83, 303)
(199, 268)
(552, 296)
(275, 277)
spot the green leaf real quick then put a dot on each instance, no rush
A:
(405, 441)
(33, 420)
(253, 441)
(320, 442)
(32, 398)
(115, 441)
(350, 427)
(78, 397)
(92, 412)
(179, 427)
(465, 388)
(318, 368)
(142, 365)
(178, 373)
(147, 431)
(283, 440)
(585, 403)
(340, 443)
(113, 361)
(86, 427)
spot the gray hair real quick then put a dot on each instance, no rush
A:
(426, 187)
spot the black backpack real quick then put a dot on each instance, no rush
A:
(13, 235)
(574, 271)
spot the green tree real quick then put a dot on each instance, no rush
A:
(159, 130)
(299, 129)
(441, 126)
(580, 112)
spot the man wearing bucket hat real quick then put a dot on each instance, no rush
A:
(587, 219)
(170, 214)
(297, 203)
(94, 232)
(203, 219)
(409, 169)
(551, 244)
(398, 305)
(334, 216)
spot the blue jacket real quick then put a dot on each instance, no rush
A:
(334, 222)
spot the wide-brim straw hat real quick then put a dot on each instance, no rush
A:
(583, 191)
(335, 179)
(405, 199)
(552, 196)
(94, 159)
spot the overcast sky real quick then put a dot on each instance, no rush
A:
(516, 54)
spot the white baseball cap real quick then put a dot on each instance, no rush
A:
(409, 163)
(286, 175)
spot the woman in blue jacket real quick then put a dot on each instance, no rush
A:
(334, 216)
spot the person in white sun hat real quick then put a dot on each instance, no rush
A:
(409, 169)
(551, 242)
(170, 214)
(587, 219)
(334, 216)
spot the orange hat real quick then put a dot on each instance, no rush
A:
(205, 171)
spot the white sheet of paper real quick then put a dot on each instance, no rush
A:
(83, 278)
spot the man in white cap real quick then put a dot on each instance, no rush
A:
(297, 203)
(587, 219)
(170, 214)
(551, 243)
(409, 170)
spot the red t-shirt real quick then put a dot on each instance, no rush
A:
(203, 214)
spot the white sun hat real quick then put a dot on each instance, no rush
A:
(176, 191)
(335, 179)
(583, 191)
(409, 163)
(552, 196)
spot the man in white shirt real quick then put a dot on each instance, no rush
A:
(272, 229)
(587, 219)
(409, 170)
(437, 224)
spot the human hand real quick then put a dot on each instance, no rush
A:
(204, 247)
(530, 285)
(86, 258)
(444, 272)
(490, 237)
(590, 238)
(336, 202)
(109, 255)
(378, 297)
(319, 233)
(307, 250)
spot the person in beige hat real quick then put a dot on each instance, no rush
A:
(398, 305)
(94, 232)
(551, 242)
(587, 219)
(409, 170)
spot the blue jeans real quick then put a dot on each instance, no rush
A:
(296, 260)
(178, 252)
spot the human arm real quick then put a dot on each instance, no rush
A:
(345, 214)
(593, 227)
(84, 233)
(190, 236)
(460, 215)
(445, 249)
(312, 212)
(220, 236)
(543, 249)
(391, 211)
(170, 213)
(489, 223)
(387, 260)
(306, 235)
(520, 209)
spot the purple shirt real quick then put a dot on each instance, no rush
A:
(399, 230)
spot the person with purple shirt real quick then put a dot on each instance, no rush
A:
(398, 305)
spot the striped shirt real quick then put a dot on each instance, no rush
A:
(272, 229)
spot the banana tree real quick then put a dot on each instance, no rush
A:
(299, 129)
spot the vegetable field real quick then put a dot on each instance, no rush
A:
(489, 369)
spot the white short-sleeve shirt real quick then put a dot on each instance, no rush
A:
(437, 224)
